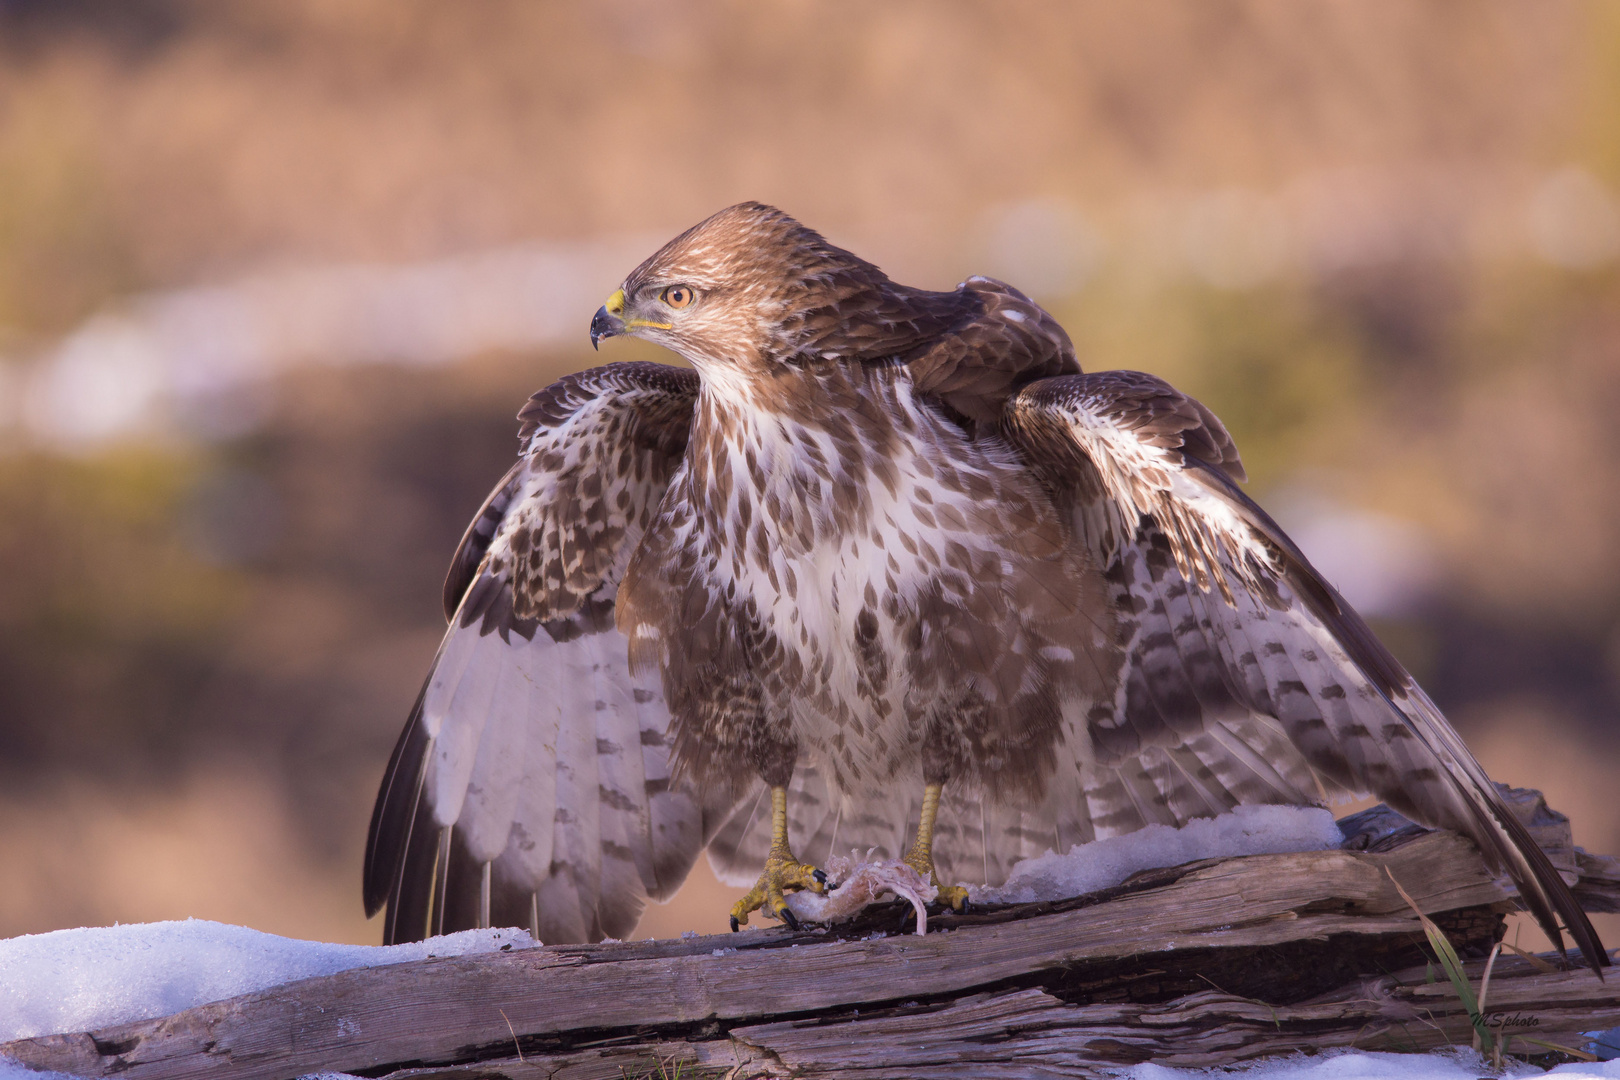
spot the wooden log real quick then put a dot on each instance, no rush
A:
(1030, 1033)
(1599, 886)
(1210, 962)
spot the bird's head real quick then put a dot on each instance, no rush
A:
(741, 290)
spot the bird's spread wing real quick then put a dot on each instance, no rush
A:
(1247, 677)
(531, 785)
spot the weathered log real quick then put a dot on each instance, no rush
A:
(1208, 963)
(1599, 886)
(1031, 1033)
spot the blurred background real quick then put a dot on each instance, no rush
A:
(275, 277)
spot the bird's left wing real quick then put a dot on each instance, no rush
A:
(531, 785)
(1233, 641)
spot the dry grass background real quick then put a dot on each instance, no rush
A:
(1311, 214)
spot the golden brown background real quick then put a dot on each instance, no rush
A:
(1381, 240)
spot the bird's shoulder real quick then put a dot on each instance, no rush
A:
(996, 341)
(653, 401)
(1129, 406)
(970, 348)
(597, 450)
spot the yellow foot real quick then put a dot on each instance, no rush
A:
(782, 872)
(954, 897)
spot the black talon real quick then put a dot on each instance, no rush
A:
(787, 917)
(820, 876)
(734, 924)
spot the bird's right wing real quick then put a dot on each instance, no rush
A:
(531, 786)
(1246, 674)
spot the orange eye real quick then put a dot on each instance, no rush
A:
(677, 296)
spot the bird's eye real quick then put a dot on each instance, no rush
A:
(677, 296)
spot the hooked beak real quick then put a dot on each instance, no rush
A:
(609, 318)
(605, 325)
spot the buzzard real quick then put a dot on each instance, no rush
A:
(887, 556)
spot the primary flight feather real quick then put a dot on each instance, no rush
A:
(887, 557)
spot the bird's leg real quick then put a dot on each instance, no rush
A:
(921, 856)
(782, 871)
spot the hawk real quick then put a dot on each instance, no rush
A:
(886, 556)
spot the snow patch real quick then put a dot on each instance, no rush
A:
(1457, 1064)
(1247, 830)
(97, 977)
(12, 1069)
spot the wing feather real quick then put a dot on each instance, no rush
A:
(490, 806)
(532, 780)
(527, 860)
(568, 897)
(475, 541)
(737, 850)
(457, 719)
(1247, 676)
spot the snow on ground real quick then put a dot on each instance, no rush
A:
(95, 977)
(1458, 1064)
(1247, 830)
(11, 1070)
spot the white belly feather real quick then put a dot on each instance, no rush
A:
(878, 552)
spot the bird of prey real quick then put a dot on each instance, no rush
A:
(886, 558)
